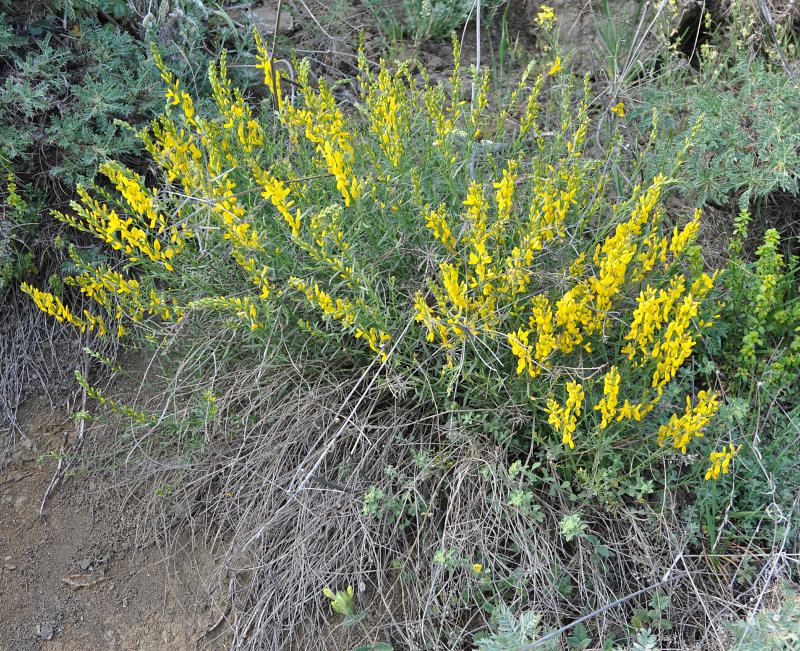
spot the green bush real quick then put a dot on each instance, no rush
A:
(66, 96)
(495, 277)
(419, 245)
(747, 139)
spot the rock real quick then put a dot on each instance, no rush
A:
(77, 580)
(85, 563)
(435, 63)
(264, 18)
(46, 630)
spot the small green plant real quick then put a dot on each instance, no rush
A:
(654, 615)
(765, 335)
(18, 219)
(572, 527)
(770, 630)
(342, 603)
(645, 640)
(511, 632)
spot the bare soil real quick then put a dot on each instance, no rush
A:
(77, 577)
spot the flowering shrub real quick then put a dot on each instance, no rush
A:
(484, 264)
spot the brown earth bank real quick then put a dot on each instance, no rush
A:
(76, 576)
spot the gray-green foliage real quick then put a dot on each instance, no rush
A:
(72, 10)
(65, 95)
(747, 144)
(432, 20)
(770, 630)
(435, 19)
(511, 632)
(76, 87)
(645, 641)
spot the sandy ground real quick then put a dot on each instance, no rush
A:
(77, 579)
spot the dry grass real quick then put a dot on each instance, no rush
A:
(282, 534)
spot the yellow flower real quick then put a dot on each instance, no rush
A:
(564, 419)
(545, 18)
(608, 406)
(682, 430)
(556, 68)
(619, 109)
(720, 462)
(477, 568)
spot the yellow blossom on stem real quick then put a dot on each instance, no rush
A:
(272, 78)
(608, 405)
(681, 239)
(682, 430)
(546, 18)
(46, 302)
(436, 220)
(720, 461)
(564, 419)
(505, 192)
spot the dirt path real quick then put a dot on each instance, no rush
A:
(79, 580)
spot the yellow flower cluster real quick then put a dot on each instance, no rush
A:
(46, 302)
(608, 405)
(174, 148)
(276, 192)
(343, 309)
(675, 341)
(479, 103)
(437, 221)
(238, 118)
(347, 312)
(178, 153)
(564, 419)
(323, 124)
(546, 18)
(505, 193)
(245, 309)
(491, 278)
(720, 462)
(122, 234)
(387, 108)
(442, 116)
(613, 256)
(682, 430)
(272, 79)
(624, 256)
